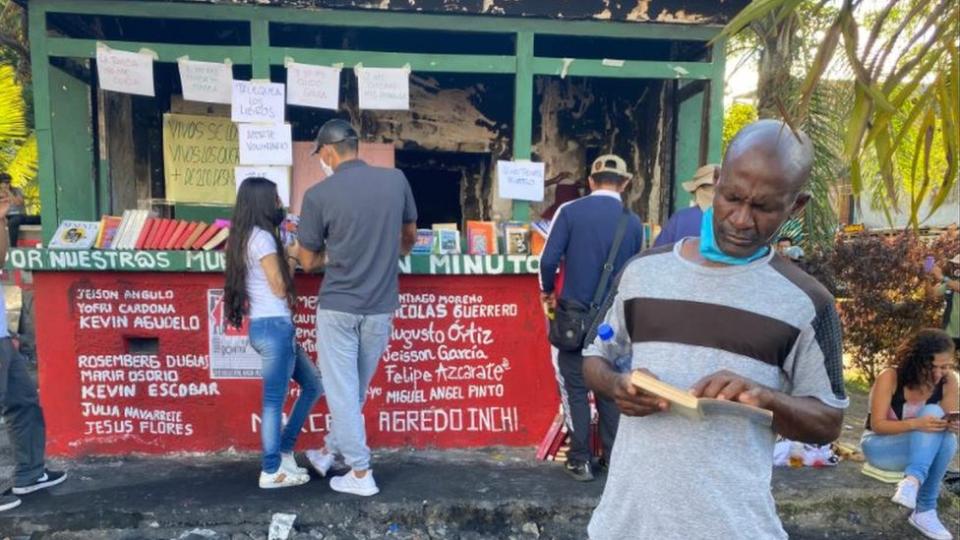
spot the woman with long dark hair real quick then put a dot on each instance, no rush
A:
(908, 428)
(259, 284)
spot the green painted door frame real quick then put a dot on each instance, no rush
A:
(262, 55)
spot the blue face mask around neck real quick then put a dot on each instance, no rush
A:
(711, 252)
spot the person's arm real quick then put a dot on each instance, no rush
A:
(16, 197)
(668, 233)
(408, 234)
(4, 234)
(310, 233)
(553, 251)
(271, 267)
(951, 398)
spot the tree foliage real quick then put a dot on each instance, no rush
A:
(905, 97)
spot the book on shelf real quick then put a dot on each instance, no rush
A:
(424, 242)
(73, 234)
(121, 229)
(217, 240)
(482, 238)
(176, 234)
(192, 238)
(187, 233)
(517, 238)
(685, 404)
(208, 233)
(446, 238)
(145, 233)
(158, 224)
(108, 231)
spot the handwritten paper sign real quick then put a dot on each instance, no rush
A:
(521, 180)
(262, 144)
(208, 82)
(127, 72)
(384, 89)
(313, 86)
(278, 175)
(199, 153)
(257, 101)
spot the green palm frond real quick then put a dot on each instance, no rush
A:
(13, 114)
(23, 171)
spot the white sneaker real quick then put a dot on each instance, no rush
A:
(906, 494)
(929, 525)
(349, 483)
(281, 479)
(321, 461)
(289, 464)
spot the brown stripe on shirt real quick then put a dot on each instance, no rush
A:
(715, 326)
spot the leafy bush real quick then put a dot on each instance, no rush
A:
(883, 293)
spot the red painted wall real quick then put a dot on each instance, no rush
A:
(99, 398)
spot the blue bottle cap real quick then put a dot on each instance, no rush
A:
(605, 332)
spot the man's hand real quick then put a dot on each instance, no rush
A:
(732, 387)
(549, 300)
(633, 401)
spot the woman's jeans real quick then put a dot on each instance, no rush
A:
(274, 339)
(925, 456)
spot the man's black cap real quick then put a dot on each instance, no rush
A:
(333, 132)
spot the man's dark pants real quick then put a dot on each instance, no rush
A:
(577, 406)
(22, 414)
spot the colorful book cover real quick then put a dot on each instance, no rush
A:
(217, 240)
(424, 243)
(288, 229)
(108, 231)
(517, 239)
(192, 239)
(187, 233)
(145, 233)
(205, 237)
(176, 234)
(162, 229)
(75, 235)
(481, 238)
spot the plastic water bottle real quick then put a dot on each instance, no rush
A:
(605, 332)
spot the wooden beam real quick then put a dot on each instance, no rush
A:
(40, 67)
(384, 19)
(626, 69)
(166, 52)
(523, 111)
(446, 63)
(260, 46)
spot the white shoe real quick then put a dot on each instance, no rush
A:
(349, 483)
(281, 479)
(929, 525)
(321, 461)
(289, 464)
(906, 494)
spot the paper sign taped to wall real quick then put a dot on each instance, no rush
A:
(385, 89)
(313, 86)
(278, 175)
(521, 180)
(199, 154)
(127, 72)
(257, 101)
(266, 144)
(207, 82)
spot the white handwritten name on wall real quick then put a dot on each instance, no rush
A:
(258, 102)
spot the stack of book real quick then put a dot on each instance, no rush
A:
(143, 230)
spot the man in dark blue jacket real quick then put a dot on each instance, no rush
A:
(581, 235)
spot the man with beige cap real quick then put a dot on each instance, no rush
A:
(686, 222)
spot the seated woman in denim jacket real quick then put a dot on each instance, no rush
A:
(259, 285)
(908, 429)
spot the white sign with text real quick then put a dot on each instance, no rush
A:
(265, 144)
(313, 86)
(257, 101)
(521, 180)
(127, 72)
(278, 175)
(384, 89)
(207, 82)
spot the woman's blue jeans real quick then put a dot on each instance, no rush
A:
(925, 456)
(274, 339)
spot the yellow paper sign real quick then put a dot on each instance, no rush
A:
(199, 156)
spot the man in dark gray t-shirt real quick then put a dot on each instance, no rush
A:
(360, 220)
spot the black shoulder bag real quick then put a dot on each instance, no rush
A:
(572, 319)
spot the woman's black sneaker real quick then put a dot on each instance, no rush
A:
(8, 501)
(580, 471)
(47, 479)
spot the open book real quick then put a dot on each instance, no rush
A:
(683, 403)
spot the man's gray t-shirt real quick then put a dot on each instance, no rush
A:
(356, 216)
(675, 478)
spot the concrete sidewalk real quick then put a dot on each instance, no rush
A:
(495, 493)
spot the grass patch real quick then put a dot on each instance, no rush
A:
(856, 382)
